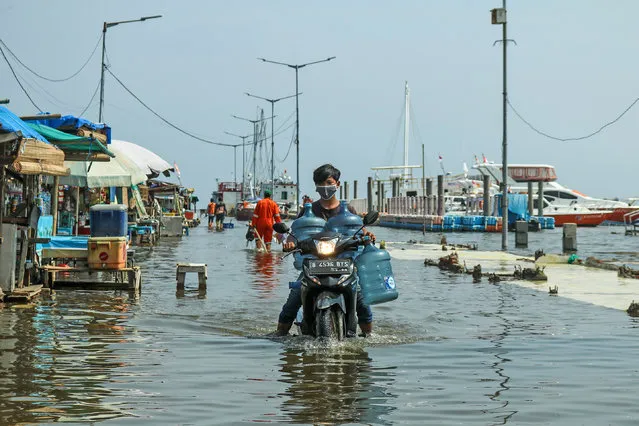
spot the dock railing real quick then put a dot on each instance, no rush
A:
(631, 221)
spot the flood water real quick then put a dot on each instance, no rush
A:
(446, 352)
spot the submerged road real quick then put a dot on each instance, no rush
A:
(446, 352)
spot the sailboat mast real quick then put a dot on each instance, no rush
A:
(406, 130)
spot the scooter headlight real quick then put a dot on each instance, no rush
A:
(327, 247)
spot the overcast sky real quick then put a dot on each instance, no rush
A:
(573, 69)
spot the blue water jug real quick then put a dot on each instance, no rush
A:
(303, 227)
(345, 222)
(375, 274)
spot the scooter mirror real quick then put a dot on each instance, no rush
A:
(281, 228)
(371, 217)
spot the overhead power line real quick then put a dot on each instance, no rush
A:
(95, 92)
(576, 138)
(18, 80)
(54, 80)
(176, 127)
(179, 129)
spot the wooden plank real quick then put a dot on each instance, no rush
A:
(82, 269)
(65, 253)
(22, 221)
(192, 267)
(24, 294)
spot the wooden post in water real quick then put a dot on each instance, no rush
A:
(486, 195)
(429, 194)
(540, 199)
(530, 199)
(369, 194)
(440, 195)
(382, 197)
(77, 210)
(341, 192)
(355, 190)
(54, 204)
(379, 196)
(346, 192)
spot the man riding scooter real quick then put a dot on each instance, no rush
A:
(326, 179)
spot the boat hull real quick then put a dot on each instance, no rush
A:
(616, 217)
(581, 219)
(244, 215)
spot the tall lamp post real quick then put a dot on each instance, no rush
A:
(254, 122)
(297, 67)
(498, 17)
(272, 101)
(243, 157)
(104, 30)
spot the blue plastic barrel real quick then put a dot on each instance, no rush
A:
(108, 220)
(375, 274)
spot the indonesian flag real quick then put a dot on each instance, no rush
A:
(177, 170)
(484, 158)
(440, 158)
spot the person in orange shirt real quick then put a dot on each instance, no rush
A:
(210, 209)
(265, 214)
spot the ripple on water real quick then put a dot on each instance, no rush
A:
(447, 351)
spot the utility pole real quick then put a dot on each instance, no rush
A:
(272, 101)
(499, 18)
(105, 26)
(243, 157)
(297, 67)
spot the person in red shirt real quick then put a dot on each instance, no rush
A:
(265, 214)
(210, 209)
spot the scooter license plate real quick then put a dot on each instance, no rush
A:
(329, 266)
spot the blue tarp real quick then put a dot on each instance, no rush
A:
(45, 230)
(68, 121)
(9, 122)
(65, 242)
(517, 207)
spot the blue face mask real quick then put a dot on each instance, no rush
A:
(326, 192)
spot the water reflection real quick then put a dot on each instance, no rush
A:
(57, 362)
(333, 385)
(264, 269)
(502, 413)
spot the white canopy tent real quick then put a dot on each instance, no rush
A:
(119, 172)
(152, 164)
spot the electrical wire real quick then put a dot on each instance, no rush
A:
(54, 80)
(18, 80)
(95, 92)
(289, 149)
(179, 129)
(577, 138)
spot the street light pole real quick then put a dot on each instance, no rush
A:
(499, 18)
(297, 67)
(272, 101)
(105, 26)
(243, 156)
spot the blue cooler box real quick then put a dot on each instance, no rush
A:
(108, 220)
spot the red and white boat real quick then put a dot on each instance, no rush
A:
(582, 216)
